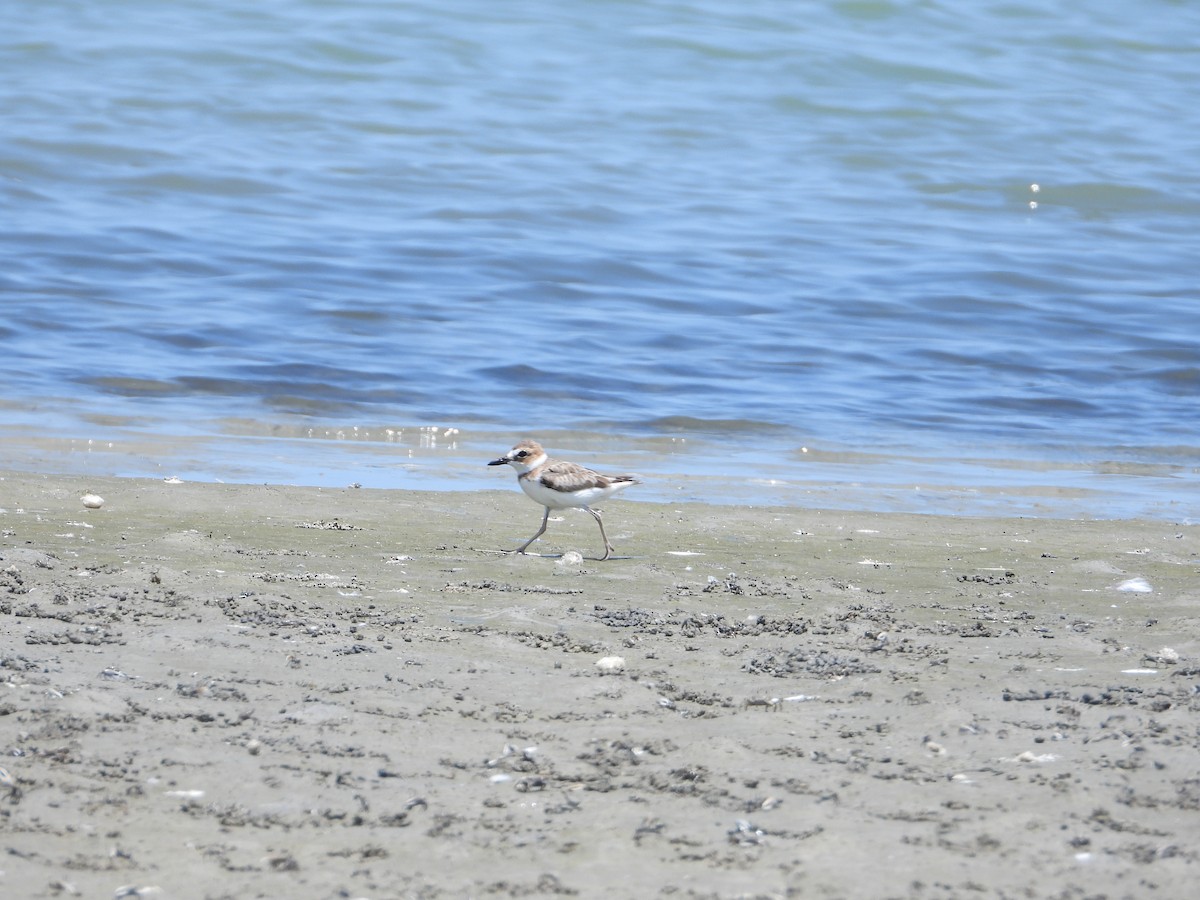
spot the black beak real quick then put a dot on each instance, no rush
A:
(498, 462)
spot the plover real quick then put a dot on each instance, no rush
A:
(561, 485)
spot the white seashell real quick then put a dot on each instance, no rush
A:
(611, 663)
(91, 501)
(1136, 585)
(1030, 757)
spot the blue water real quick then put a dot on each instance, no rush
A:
(826, 252)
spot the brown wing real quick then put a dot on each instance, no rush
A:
(569, 476)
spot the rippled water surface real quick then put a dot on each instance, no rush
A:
(833, 252)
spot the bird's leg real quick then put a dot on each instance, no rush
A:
(540, 532)
(608, 548)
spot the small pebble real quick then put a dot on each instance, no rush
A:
(611, 663)
(92, 501)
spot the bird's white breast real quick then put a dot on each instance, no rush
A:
(566, 499)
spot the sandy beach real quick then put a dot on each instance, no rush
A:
(230, 691)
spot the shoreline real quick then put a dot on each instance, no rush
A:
(226, 690)
(695, 469)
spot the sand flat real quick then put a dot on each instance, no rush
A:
(261, 691)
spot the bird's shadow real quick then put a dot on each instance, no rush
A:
(546, 555)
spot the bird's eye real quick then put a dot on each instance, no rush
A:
(522, 454)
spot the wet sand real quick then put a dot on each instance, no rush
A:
(216, 691)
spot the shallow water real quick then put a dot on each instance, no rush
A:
(933, 246)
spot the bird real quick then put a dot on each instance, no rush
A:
(561, 485)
